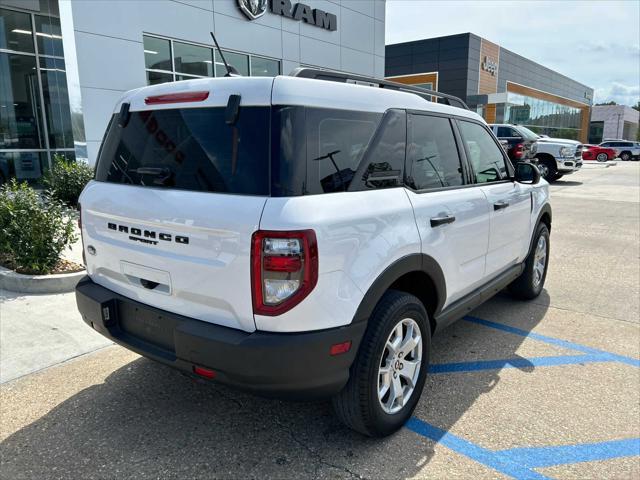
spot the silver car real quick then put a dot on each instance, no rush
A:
(625, 149)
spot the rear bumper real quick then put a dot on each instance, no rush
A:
(285, 365)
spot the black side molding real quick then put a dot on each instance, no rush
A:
(461, 307)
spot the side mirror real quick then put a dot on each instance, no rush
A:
(527, 173)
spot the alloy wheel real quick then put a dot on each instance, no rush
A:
(539, 261)
(399, 366)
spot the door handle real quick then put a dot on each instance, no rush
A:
(500, 205)
(437, 221)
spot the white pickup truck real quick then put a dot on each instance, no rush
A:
(555, 157)
(558, 157)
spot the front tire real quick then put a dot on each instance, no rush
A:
(602, 157)
(530, 283)
(547, 169)
(625, 156)
(390, 369)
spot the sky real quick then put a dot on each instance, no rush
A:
(594, 42)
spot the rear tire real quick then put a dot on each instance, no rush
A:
(625, 156)
(530, 283)
(361, 405)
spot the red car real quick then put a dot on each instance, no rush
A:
(596, 152)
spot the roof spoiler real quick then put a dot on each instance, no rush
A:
(334, 76)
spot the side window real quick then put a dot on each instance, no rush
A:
(336, 142)
(514, 133)
(486, 157)
(505, 132)
(383, 162)
(432, 155)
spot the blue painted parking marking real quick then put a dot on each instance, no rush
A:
(521, 363)
(495, 460)
(554, 341)
(520, 462)
(558, 455)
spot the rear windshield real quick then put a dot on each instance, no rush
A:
(189, 149)
(278, 151)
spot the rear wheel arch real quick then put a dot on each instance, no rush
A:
(419, 275)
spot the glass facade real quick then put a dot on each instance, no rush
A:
(543, 116)
(35, 118)
(168, 60)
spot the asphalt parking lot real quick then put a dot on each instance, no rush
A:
(542, 389)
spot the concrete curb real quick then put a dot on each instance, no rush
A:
(608, 163)
(58, 283)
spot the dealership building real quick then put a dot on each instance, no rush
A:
(618, 122)
(65, 63)
(501, 85)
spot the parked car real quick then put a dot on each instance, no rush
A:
(596, 152)
(554, 157)
(625, 149)
(522, 143)
(303, 238)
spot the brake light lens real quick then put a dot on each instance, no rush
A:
(181, 97)
(204, 372)
(84, 256)
(519, 150)
(284, 269)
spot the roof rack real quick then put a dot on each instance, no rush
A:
(333, 76)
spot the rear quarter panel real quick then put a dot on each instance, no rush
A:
(359, 235)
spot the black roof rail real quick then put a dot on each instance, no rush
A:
(334, 76)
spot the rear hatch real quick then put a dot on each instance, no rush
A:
(179, 190)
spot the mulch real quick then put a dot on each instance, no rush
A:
(63, 266)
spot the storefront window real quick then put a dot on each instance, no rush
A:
(56, 101)
(157, 54)
(169, 60)
(20, 114)
(193, 59)
(154, 78)
(264, 67)
(237, 60)
(35, 117)
(543, 116)
(22, 165)
(49, 36)
(15, 31)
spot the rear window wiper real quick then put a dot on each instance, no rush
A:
(162, 174)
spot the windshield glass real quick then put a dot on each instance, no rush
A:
(189, 149)
(528, 134)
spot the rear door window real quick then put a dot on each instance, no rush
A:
(189, 149)
(432, 156)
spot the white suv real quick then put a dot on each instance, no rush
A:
(304, 238)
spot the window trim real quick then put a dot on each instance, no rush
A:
(461, 154)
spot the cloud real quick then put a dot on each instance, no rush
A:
(619, 93)
(594, 43)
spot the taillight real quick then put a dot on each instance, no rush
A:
(284, 269)
(518, 150)
(84, 257)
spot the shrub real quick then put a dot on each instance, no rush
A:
(34, 229)
(67, 178)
